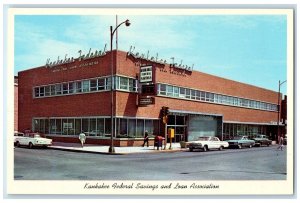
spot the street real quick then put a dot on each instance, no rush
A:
(258, 163)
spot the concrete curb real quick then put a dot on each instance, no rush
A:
(116, 153)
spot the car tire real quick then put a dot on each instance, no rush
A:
(30, 145)
(250, 146)
(205, 148)
(191, 149)
(221, 148)
(18, 144)
(240, 146)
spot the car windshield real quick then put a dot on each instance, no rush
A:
(37, 136)
(203, 138)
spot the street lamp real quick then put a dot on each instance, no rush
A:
(112, 32)
(278, 112)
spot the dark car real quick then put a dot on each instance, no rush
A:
(262, 140)
(240, 141)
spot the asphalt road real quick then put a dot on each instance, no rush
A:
(259, 163)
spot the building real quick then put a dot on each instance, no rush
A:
(15, 103)
(67, 96)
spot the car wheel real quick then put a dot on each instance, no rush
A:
(30, 145)
(250, 146)
(240, 146)
(221, 148)
(205, 148)
(191, 149)
(18, 144)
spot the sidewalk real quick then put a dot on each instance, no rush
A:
(89, 148)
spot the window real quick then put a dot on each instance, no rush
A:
(108, 83)
(202, 96)
(36, 92)
(85, 86)
(47, 91)
(187, 93)
(193, 94)
(170, 91)
(162, 89)
(100, 126)
(101, 84)
(122, 127)
(71, 87)
(77, 126)
(107, 126)
(124, 83)
(78, 86)
(131, 127)
(93, 85)
(65, 88)
(42, 91)
(58, 89)
(92, 127)
(182, 92)
(133, 85)
(198, 95)
(176, 92)
(52, 89)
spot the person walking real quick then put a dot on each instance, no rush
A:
(82, 138)
(280, 143)
(146, 139)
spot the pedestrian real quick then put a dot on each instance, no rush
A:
(280, 143)
(82, 138)
(146, 139)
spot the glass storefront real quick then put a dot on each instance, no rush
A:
(97, 127)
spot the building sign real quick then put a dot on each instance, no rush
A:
(146, 74)
(81, 57)
(145, 101)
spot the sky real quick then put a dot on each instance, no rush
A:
(246, 48)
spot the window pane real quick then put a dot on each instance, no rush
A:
(77, 126)
(182, 92)
(85, 86)
(36, 92)
(122, 127)
(162, 89)
(124, 83)
(78, 87)
(140, 128)
(65, 126)
(42, 126)
(71, 127)
(176, 92)
(149, 126)
(46, 126)
(58, 89)
(52, 126)
(71, 87)
(107, 126)
(131, 128)
(42, 91)
(170, 91)
(92, 129)
(52, 89)
(58, 127)
(85, 125)
(156, 127)
(188, 93)
(193, 94)
(65, 88)
(101, 84)
(36, 125)
(47, 91)
(100, 126)
(108, 83)
(93, 85)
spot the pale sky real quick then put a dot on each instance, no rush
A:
(247, 48)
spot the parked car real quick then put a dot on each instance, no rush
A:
(17, 135)
(241, 141)
(261, 140)
(206, 143)
(33, 139)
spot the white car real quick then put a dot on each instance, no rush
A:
(33, 139)
(17, 135)
(207, 143)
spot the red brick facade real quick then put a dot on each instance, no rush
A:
(98, 103)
